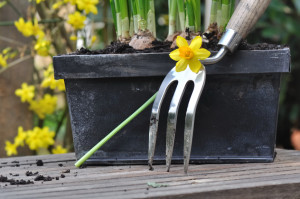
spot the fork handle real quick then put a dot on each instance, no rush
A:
(246, 15)
(243, 19)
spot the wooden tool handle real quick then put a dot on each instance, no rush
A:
(246, 15)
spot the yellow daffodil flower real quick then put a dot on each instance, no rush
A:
(76, 20)
(25, 92)
(189, 55)
(3, 62)
(88, 6)
(59, 150)
(11, 149)
(42, 47)
(20, 138)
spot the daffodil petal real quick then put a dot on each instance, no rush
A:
(181, 65)
(195, 65)
(196, 43)
(175, 55)
(180, 41)
(201, 53)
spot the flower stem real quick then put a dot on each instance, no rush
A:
(225, 14)
(113, 132)
(124, 19)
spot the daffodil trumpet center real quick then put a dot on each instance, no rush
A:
(186, 52)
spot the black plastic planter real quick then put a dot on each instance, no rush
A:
(236, 116)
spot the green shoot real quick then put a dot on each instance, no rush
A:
(151, 18)
(124, 19)
(172, 16)
(114, 14)
(213, 12)
(113, 132)
(181, 15)
(225, 14)
(197, 13)
(190, 17)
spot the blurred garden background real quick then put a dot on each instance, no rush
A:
(34, 117)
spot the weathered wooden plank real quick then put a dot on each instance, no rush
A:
(213, 180)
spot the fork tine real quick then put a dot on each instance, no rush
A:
(170, 77)
(190, 117)
(172, 120)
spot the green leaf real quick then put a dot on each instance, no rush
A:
(156, 185)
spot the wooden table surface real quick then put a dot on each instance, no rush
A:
(280, 179)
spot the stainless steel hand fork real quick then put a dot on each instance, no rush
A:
(243, 19)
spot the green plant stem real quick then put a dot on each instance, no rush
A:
(172, 16)
(197, 14)
(113, 132)
(219, 12)
(151, 25)
(141, 10)
(225, 14)
(114, 14)
(213, 12)
(134, 15)
(181, 15)
(124, 19)
(118, 18)
(190, 17)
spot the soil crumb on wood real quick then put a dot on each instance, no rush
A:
(15, 182)
(30, 173)
(42, 178)
(39, 163)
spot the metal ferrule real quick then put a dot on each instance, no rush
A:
(230, 39)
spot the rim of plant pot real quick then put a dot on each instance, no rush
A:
(157, 64)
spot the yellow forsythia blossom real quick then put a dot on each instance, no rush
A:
(11, 149)
(40, 138)
(59, 149)
(28, 28)
(93, 40)
(50, 82)
(44, 106)
(73, 37)
(42, 47)
(3, 62)
(76, 20)
(25, 92)
(88, 6)
(39, 1)
(20, 138)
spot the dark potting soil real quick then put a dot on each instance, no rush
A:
(164, 46)
(15, 182)
(39, 163)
